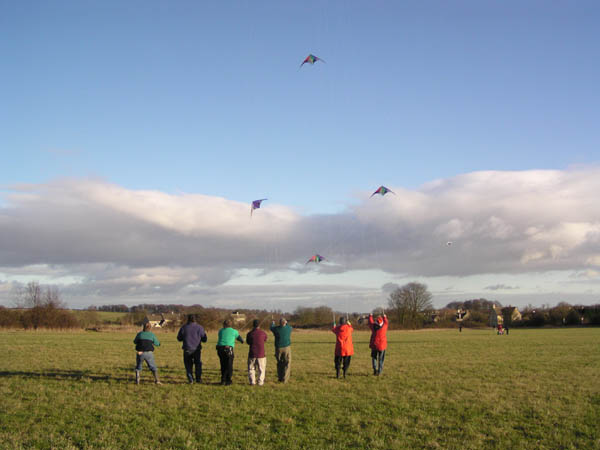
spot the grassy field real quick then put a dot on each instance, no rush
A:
(440, 389)
(106, 317)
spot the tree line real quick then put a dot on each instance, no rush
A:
(409, 307)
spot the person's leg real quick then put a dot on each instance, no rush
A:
(381, 361)
(279, 358)
(346, 364)
(138, 367)
(287, 363)
(337, 361)
(223, 362)
(187, 362)
(229, 367)
(251, 369)
(149, 356)
(262, 370)
(198, 363)
(374, 360)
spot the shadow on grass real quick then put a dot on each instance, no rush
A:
(59, 374)
(121, 375)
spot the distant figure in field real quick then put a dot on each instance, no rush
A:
(225, 345)
(344, 349)
(506, 329)
(460, 327)
(257, 362)
(283, 348)
(378, 343)
(499, 328)
(192, 335)
(144, 345)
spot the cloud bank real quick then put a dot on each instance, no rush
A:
(120, 243)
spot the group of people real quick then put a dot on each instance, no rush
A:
(192, 335)
(344, 349)
(257, 361)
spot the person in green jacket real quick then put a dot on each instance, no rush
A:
(144, 346)
(225, 345)
(283, 349)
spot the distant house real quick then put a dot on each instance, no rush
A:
(238, 319)
(510, 314)
(462, 314)
(160, 320)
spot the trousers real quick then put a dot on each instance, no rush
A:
(377, 358)
(283, 355)
(193, 360)
(343, 361)
(226, 356)
(257, 366)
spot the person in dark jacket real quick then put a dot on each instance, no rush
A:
(378, 343)
(192, 335)
(144, 345)
(257, 362)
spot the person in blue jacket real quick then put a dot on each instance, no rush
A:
(192, 335)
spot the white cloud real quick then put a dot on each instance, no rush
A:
(500, 287)
(116, 241)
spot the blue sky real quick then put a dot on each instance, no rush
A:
(207, 98)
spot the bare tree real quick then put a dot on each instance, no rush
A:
(33, 295)
(28, 296)
(52, 298)
(409, 302)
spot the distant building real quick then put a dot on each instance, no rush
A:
(237, 318)
(510, 314)
(462, 314)
(160, 320)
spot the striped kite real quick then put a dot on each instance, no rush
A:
(316, 259)
(382, 190)
(311, 59)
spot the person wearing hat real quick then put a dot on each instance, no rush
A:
(344, 349)
(192, 335)
(225, 345)
(144, 346)
(257, 362)
(378, 343)
(283, 348)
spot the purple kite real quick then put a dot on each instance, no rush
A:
(311, 59)
(382, 190)
(316, 259)
(256, 205)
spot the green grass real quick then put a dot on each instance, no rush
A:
(106, 317)
(440, 389)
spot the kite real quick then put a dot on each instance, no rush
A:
(449, 243)
(311, 59)
(256, 205)
(382, 190)
(316, 259)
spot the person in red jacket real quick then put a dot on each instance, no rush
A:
(378, 342)
(343, 346)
